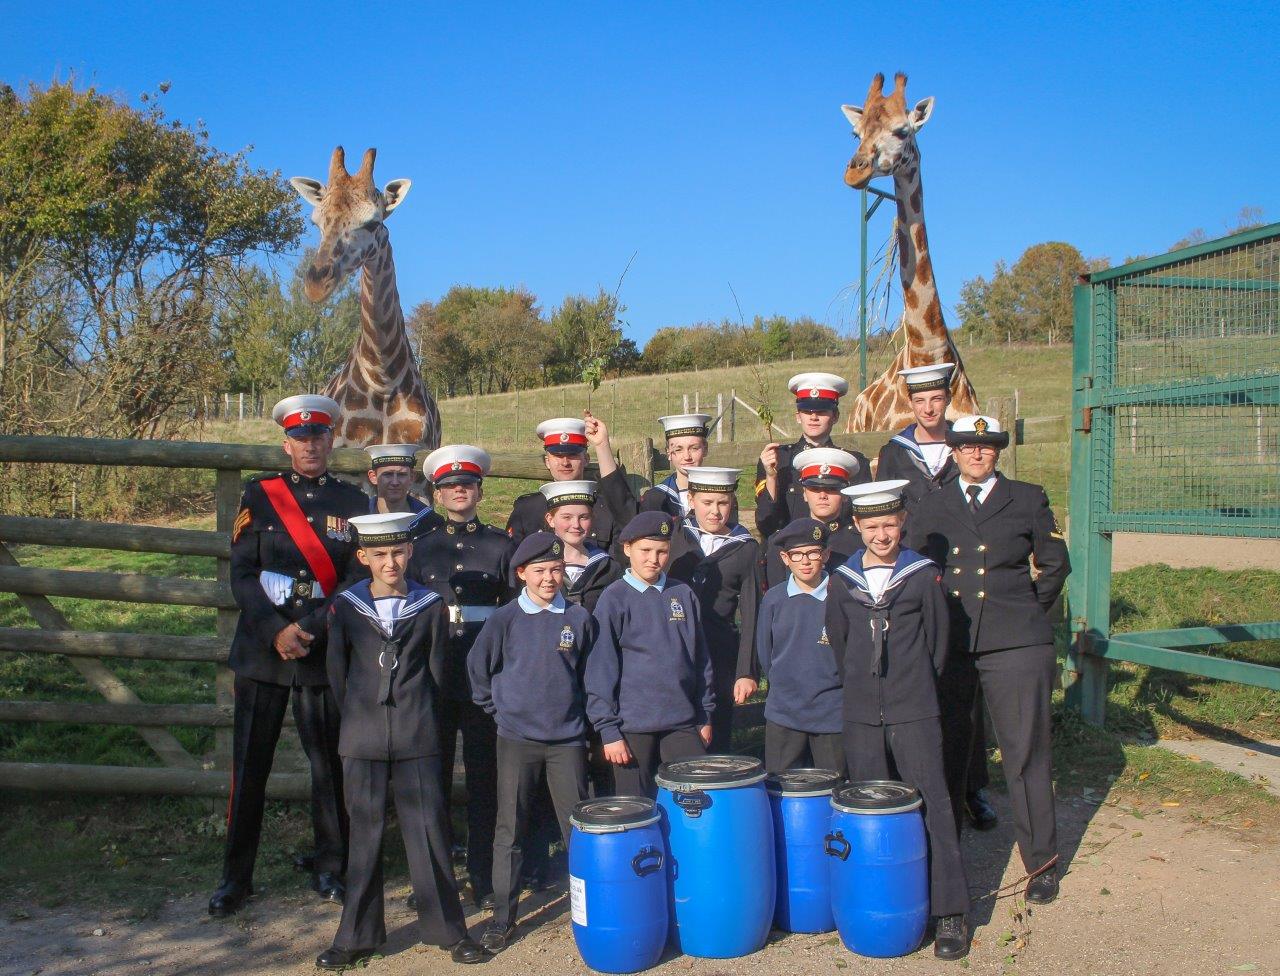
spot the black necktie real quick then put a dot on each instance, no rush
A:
(973, 491)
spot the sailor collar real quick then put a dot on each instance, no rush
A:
(528, 606)
(736, 532)
(907, 439)
(416, 600)
(819, 592)
(908, 562)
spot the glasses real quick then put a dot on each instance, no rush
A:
(804, 556)
(977, 449)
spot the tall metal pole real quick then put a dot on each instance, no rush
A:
(862, 290)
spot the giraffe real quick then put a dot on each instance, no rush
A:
(379, 388)
(887, 134)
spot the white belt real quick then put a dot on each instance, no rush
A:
(470, 615)
(280, 588)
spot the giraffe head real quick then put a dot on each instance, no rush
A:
(886, 130)
(349, 210)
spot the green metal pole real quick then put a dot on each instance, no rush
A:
(862, 290)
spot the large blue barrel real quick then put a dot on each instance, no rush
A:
(720, 834)
(618, 883)
(801, 803)
(879, 860)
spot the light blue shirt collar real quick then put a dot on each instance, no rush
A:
(819, 592)
(528, 606)
(639, 585)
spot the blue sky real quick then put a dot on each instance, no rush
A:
(549, 142)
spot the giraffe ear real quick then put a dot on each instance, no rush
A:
(853, 113)
(920, 114)
(393, 194)
(310, 190)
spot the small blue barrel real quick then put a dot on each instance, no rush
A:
(879, 860)
(618, 883)
(720, 834)
(801, 802)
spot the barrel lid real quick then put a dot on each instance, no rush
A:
(710, 773)
(876, 796)
(614, 813)
(803, 782)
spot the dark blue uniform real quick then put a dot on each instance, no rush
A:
(615, 505)
(772, 513)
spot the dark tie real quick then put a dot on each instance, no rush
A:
(973, 491)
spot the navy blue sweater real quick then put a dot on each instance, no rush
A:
(526, 669)
(795, 655)
(649, 670)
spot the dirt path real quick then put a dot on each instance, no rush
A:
(1149, 893)
(1130, 549)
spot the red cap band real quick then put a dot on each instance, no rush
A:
(816, 393)
(824, 471)
(299, 417)
(457, 467)
(558, 440)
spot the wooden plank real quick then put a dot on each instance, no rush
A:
(1044, 430)
(99, 676)
(111, 535)
(126, 587)
(86, 643)
(107, 713)
(226, 505)
(147, 780)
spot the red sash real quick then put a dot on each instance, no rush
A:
(302, 533)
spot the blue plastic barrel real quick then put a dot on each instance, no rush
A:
(801, 803)
(720, 834)
(879, 859)
(618, 883)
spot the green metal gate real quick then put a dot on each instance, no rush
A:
(1175, 429)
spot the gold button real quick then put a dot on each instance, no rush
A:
(955, 551)
(981, 595)
(311, 494)
(955, 592)
(981, 572)
(457, 589)
(956, 570)
(310, 519)
(458, 566)
(982, 548)
(302, 572)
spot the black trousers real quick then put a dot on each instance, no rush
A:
(722, 717)
(521, 766)
(648, 751)
(1018, 685)
(978, 778)
(916, 750)
(424, 825)
(786, 748)
(480, 759)
(258, 718)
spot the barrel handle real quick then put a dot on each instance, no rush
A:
(831, 845)
(646, 862)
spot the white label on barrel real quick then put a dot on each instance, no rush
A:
(578, 900)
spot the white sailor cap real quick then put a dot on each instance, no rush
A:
(685, 424)
(919, 379)
(568, 493)
(825, 467)
(456, 463)
(877, 497)
(387, 455)
(817, 391)
(383, 529)
(563, 435)
(978, 429)
(713, 479)
(306, 414)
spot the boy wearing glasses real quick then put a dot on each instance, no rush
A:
(802, 711)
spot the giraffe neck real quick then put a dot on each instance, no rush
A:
(382, 356)
(927, 340)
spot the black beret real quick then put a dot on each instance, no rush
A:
(802, 532)
(649, 525)
(538, 547)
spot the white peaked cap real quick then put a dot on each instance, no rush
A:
(712, 479)
(685, 424)
(876, 497)
(456, 461)
(398, 454)
(383, 528)
(569, 492)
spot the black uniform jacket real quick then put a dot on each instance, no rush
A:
(729, 585)
(467, 563)
(614, 508)
(260, 543)
(902, 458)
(428, 518)
(889, 650)
(665, 496)
(986, 562)
(600, 571)
(774, 514)
(843, 542)
(386, 683)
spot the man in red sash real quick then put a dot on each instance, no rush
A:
(291, 552)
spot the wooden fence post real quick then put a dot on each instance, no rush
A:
(1006, 413)
(733, 416)
(648, 459)
(719, 418)
(227, 504)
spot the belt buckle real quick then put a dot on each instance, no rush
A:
(302, 589)
(455, 614)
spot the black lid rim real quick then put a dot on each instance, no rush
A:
(876, 796)
(809, 781)
(614, 813)
(713, 772)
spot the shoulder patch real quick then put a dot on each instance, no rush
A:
(243, 518)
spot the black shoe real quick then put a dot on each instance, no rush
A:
(981, 814)
(229, 899)
(304, 863)
(496, 938)
(538, 881)
(1043, 888)
(483, 900)
(335, 958)
(329, 887)
(466, 952)
(951, 937)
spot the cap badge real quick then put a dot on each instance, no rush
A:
(817, 533)
(980, 425)
(564, 438)
(665, 528)
(824, 469)
(305, 415)
(456, 466)
(815, 392)
(555, 548)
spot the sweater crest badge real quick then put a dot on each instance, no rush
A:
(677, 610)
(566, 639)
(822, 639)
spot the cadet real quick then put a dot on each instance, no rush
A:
(391, 475)
(921, 455)
(803, 709)
(983, 531)
(778, 501)
(386, 648)
(466, 562)
(564, 443)
(720, 560)
(650, 687)
(822, 473)
(588, 569)
(686, 435)
(887, 620)
(526, 671)
(290, 554)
